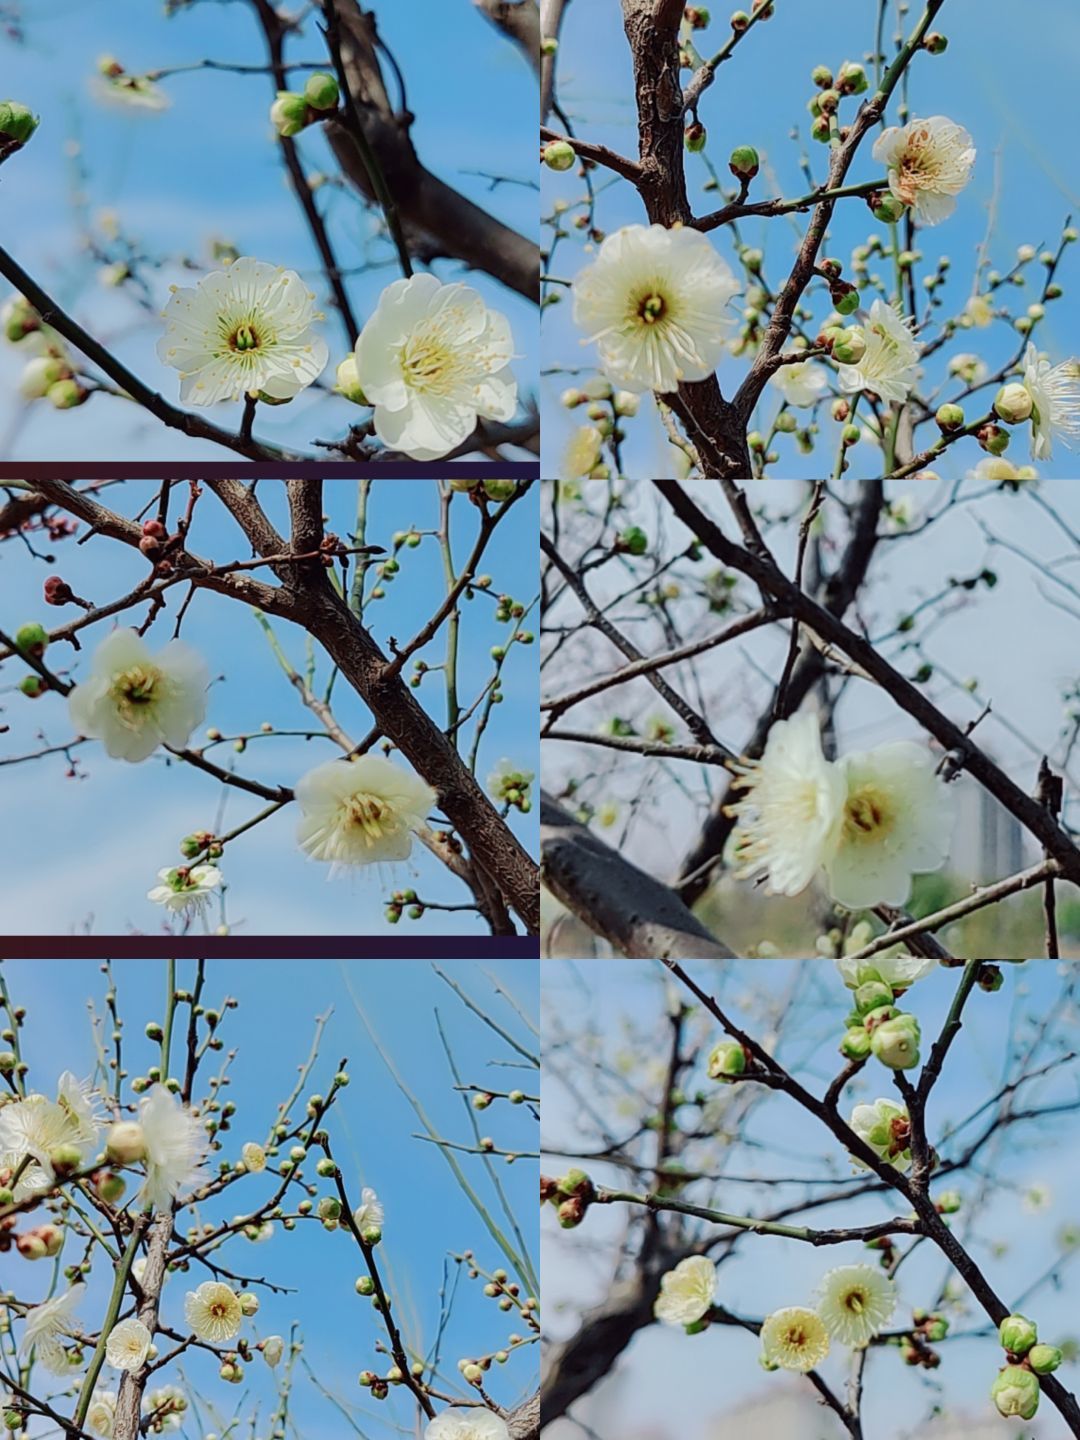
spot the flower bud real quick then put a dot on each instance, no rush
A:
(744, 162)
(67, 394)
(632, 541)
(109, 1186)
(365, 1285)
(696, 16)
(273, 1347)
(846, 301)
(851, 79)
(856, 1043)
(993, 439)
(65, 1160)
(949, 1202)
(41, 374)
(950, 418)
(17, 124)
(32, 639)
(1044, 1359)
(571, 1212)
(499, 490)
(1013, 404)
(1017, 1334)
(848, 347)
(329, 1208)
(33, 686)
(896, 1042)
(1015, 1391)
(695, 137)
(936, 43)
(558, 155)
(348, 382)
(125, 1143)
(249, 1304)
(886, 208)
(739, 20)
(726, 1058)
(289, 113)
(626, 403)
(20, 319)
(31, 1246)
(872, 995)
(822, 77)
(321, 91)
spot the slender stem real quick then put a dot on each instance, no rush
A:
(116, 1299)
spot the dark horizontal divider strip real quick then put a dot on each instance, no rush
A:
(275, 947)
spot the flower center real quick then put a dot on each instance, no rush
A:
(868, 815)
(245, 337)
(796, 1337)
(219, 1310)
(855, 1302)
(369, 814)
(651, 308)
(137, 687)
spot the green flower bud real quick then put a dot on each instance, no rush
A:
(950, 418)
(33, 686)
(289, 113)
(1017, 1334)
(936, 43)
(1044, 1359)
(32, 639)
(321, 91)
(558, 155)
(744, 162)
(896, 1043)
(499, 490)
(365, 1285)
(849, 347)
(739, 20)
(329, 1208)
(20, 319)
(936, 1329)
(822, 77)
(886, 208)
(695, 137)
(851, 79)
(67, 394)
(856, 1043)
(726, 1058)
(993, 439)
(847, 303)
(348, 382)
(17, 123)
(1015, 1391)
(872, 995)
(850, 435)
(633, 540)
(1013, 404)
(949, 1202)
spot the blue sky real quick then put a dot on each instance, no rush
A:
(427, 1215)
(1012, 90)
(109, 833)
(1012, 1244)
(208, 169)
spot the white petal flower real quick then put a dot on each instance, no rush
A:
(213, 1312)
(929, 163)
(686, 1293)
(996, 467)
(163, 1409)
(802, 383)
(979, 312)
(45, 1326)
(254, 1158)
(176, 1146)
(582, 454)
(788, 819)
(34, 1127)
(897, 822)
(1055, 393)
(369, 1213)
(243, 330)
(969, 368)
(361, 811)
(900, 972)
(510, 782)
(857, 1302)
(433, 359)
(127, 1345)
(101, 1416)
(185, 887)
(133, 701)
(273, 1347)
(475, 1422)
(134, 92)
(889, 367)
(654, 301)
(886, 1129)
(794, 1338)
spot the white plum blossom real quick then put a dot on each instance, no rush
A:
(241, 331)
(361, 811)
(897, 821)
(185, 887)
(101, 1416)
(886, 1128)
(900, 971)
(128, 1345)
(213, 1312)
(929, 163)
(686, 1293)
(46, 1325)
(1055, 394)
(969, 368)
(787, 819)
(654, 302)
(273, 1347)
(433, 359)
(33, 1128)
(794, 1338)
(163, 1409)
(476, 1422)
(802, 383)
(979, 312)
(133, 701)
(996, 467)
(889, 367)
(857, 1302)
(369, 1214)
(176, 1146)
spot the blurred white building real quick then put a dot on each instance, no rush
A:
(988, 843)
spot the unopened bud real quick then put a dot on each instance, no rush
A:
(558, 155)
(744, 162)
(1013, 404)
(950, 418)
(289, 113)
(1015, 1391)
(321, 91)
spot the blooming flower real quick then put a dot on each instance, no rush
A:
(803, 383)
(793, 803)
(213, 1311)
(1055, 394)
(133, 701)
(101, 1416)
(176, 1146)
(361, 811)
(510, 783)
(137, 92)
(45, 1324)
(794, 1338)
(654, 302)
(474, 1423)
(888, 369)
(996, 467)
(900, 972)
(241, 331)
(127, 1345)
(929, 163)
(185, 887)
(33, 1128)
(433, 359)
(582, 453)
(897, 821)
(979, 311)
(886, 1128)
(163, 1409)
(369, 1213)
(686, 1293)
(254, 1157)
(856, 1303)
(969, 368)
